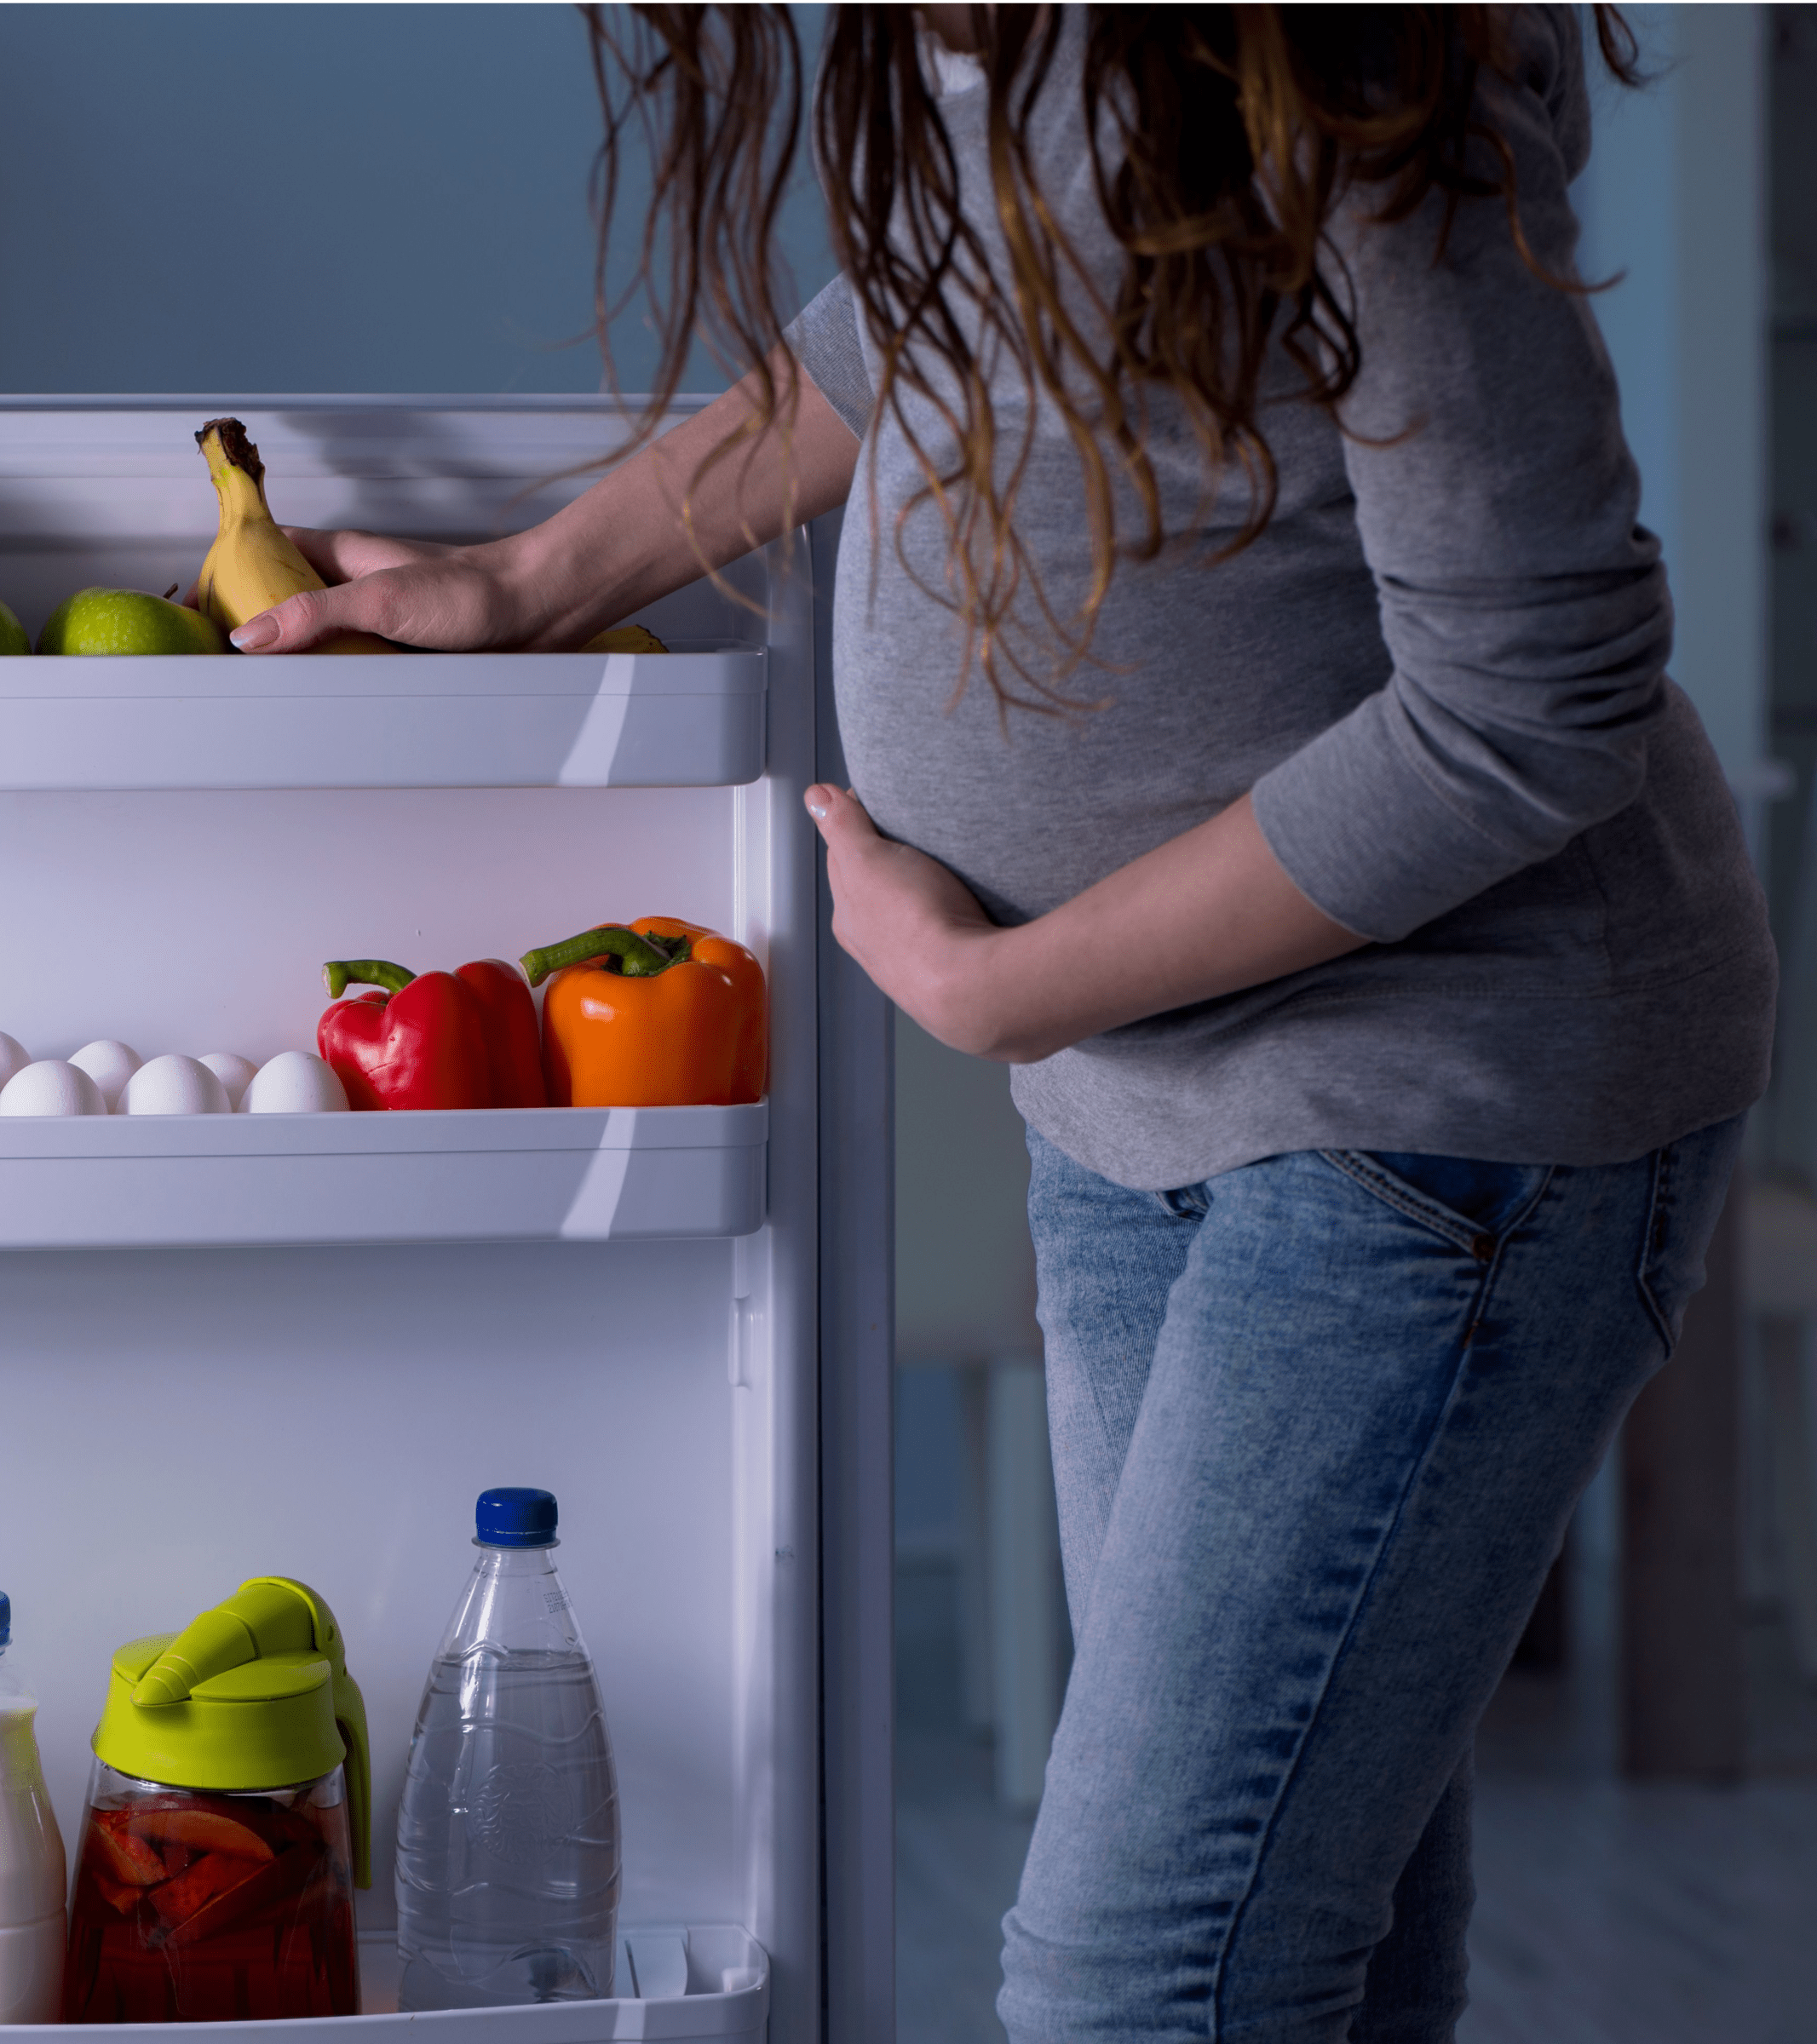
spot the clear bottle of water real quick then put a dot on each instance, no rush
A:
(507, 1833)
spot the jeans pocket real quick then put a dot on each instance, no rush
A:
(1690, 1184)
(1472, 1202)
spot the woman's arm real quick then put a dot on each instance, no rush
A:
(1523, 607)
(620, 546)
(1207, 913)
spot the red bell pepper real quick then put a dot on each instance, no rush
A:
(513, 1043)
(464, 1039)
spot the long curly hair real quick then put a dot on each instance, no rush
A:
(1221, 138)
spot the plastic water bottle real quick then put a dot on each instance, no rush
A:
(507, 1833)
(30, 1857)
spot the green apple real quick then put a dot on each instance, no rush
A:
(126, 621)
(13, 639)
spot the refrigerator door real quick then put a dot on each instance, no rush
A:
(857, 1458)
(623, 1309)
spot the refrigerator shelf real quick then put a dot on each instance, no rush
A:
(692, 717)
(725, 1997)
(509, 1174)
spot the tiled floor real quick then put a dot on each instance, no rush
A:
(1611, 1913)
(1607, 1913)
(957, 1858)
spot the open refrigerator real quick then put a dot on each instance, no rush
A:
(301, 1345)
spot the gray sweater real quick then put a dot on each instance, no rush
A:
(1439, 671)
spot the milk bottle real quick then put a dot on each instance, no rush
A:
(30, 1857)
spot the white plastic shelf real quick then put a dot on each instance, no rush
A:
(693, 717)
(508, 1175)
(722, 1972)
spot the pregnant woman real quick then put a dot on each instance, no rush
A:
(1253, 681)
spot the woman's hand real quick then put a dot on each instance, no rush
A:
(919, 933)
(643, 530)
(1208, 913)
(455, 599)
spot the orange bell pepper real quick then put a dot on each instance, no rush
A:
(652, 1013)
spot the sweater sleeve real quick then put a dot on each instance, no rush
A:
(824, 337)
(1525, 612)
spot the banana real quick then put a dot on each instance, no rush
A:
(624, 639)
(251, 565)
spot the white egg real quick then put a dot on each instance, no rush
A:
(234, 1072)
(296, 1082)
(51, 1087)
(14, 1056)
(173, 1085)
(110, 1064)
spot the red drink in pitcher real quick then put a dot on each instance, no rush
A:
(210, 1908)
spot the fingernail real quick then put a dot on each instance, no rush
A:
(254, 633)
(817, 804)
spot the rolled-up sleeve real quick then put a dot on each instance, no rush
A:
(824, 338)
(1525, 612)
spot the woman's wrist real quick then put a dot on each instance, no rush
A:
(551, 588)
(639, 533)
(961, 988)
(1013, 994)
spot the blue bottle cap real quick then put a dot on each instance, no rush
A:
(515, 1519)
(6, 1615)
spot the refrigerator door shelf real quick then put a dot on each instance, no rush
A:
(726, 1999)
(692, 717)
(666, 1390)
(286, 1180)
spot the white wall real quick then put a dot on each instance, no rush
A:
(251, 197)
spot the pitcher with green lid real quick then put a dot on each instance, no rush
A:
(227, 1822)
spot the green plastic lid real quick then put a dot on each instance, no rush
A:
(254, 1694)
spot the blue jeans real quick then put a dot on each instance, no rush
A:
(1318, 1427)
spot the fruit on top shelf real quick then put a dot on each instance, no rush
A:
(432, 1040)
(13, 637)
(624, 639)
(126, 621)
(652, 1013)
(51, 1087)
(252, 565)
